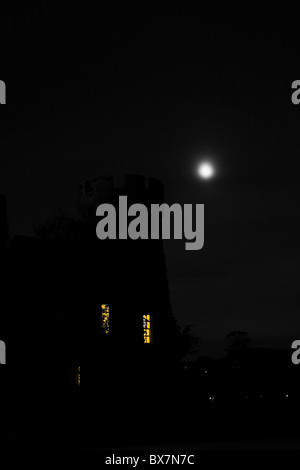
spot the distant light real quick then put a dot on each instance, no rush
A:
(206, 170)
(286, 396)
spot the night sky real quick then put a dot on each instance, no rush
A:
(113, 91)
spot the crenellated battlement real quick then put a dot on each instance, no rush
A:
(137, 188)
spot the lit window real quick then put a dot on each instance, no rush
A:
(78, 375)
(105, 317)
(147, 328)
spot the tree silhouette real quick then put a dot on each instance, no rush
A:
(60, 226)
(238, 341)
(187, 343)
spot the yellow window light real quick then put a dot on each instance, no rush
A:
(78, 375)
(105, 318)
(147, 328)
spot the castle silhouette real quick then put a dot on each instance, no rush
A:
(92, 315)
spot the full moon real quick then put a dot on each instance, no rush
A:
(205, 170)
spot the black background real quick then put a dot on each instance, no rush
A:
(115, 90)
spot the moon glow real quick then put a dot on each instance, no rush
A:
(205, 170)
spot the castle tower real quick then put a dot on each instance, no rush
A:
(132, 311)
